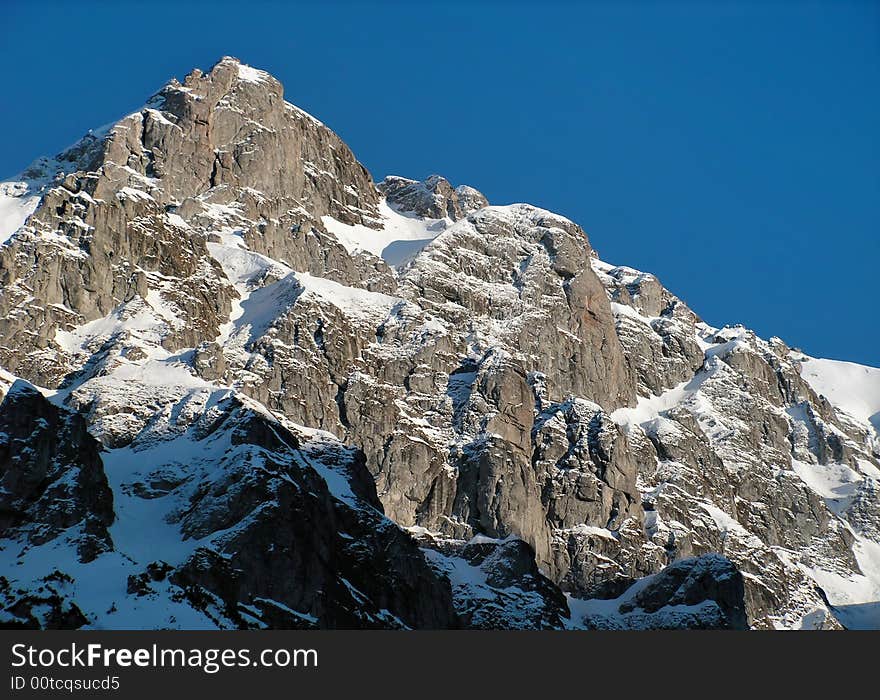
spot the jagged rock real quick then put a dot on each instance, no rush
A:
(52, 477)
(336, 560)
(594, 562)
(520, 277)
(656, 330)
(711, 582)
(496, 584)
(45, 606)
(433, 198)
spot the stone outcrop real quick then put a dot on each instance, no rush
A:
(701, 593)
(52, 477)
(432, 198)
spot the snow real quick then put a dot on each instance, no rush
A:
(163, 309)
(468, 580)
(142, 532)
(850, 387)
(260, 304)
(704, 335)
(854, 598)
(99, 587)
(256, 308)
(629, 311)
(649, 407)
(354, 301)
(136, 319)
(7, 379)
(303, 114)
(401, 237)
(419, 531)
(285, 608)
(169, 451)
(135, 194)
(836, 483)
(159, 373)
(485, 539)
(161, 118)
(608, 611)
(16, 205)
(140, 324)
(251, 75)
(727, 523)
(241, 265)
(593, 530)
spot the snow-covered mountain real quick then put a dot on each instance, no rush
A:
(245, 386)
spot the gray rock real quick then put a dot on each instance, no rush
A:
(433, 198)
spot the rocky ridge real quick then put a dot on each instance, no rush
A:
(343, 404)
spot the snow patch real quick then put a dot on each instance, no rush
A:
(855, 599)
(251, 75)
(649, 407)
(17, 203)
(850, 387)
(354, 301)
(399, 240)
(836, 483)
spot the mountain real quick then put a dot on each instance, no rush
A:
(244, 386)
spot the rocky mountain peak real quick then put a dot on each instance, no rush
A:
(337, 403)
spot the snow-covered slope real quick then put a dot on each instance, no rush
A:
(399, 239)
(17, 203)
(848, 386)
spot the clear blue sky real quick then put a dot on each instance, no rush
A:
(731, 148)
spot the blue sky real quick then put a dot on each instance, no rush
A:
(731, 148)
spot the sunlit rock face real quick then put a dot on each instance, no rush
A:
(246, 387)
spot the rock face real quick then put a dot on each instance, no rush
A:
(52, 478)
(113, 224)
(700, 593)
(340, 404)
(286, 551)
(239, 508)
